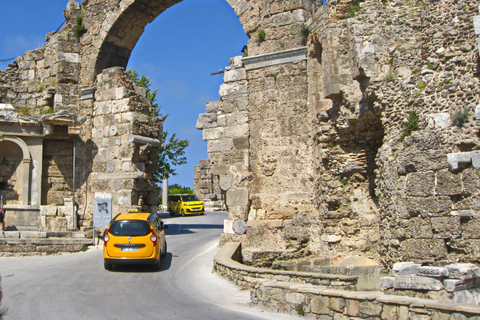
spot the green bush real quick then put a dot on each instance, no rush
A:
(460, 116)
(261, 34)
(411, 125)
(352, 10)
(79, 29)
(300, 310)
(304, 33)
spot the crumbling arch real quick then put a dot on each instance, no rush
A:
(121, 29)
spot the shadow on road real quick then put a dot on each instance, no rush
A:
(176, 229)
(165, 265)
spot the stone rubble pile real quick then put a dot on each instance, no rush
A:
(458, 282)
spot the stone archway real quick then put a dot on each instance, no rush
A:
(111, 37)
(16, 170)
(114, 32)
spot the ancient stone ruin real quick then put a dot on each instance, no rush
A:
(350, 128)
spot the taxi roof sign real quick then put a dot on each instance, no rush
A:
(133, 210)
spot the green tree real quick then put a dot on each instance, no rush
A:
(173, 152)
(178, 189)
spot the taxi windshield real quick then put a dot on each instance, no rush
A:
(132, 228)
(191, 197)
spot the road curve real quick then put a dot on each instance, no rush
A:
(76, 286)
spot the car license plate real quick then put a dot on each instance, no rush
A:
(196, 210)
(129, 249)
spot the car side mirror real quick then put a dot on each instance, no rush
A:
(165, 226)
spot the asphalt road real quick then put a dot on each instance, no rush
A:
(76, 286)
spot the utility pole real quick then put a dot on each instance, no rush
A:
(165, 194)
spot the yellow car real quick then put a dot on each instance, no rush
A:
(185, 204)
(134, 238)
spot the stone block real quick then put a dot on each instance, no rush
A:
(241, 143)
(12, 234)
(370, 309)
(219, 170)
(320, 305)
(353, 308)
(464, 296)
(213, 133)
(430, 206)
(389, 312)
(238, 197)
(234, 75)
(439, 120)
(424, 249)
(419, 228)
(471, 229)
(477, 108)
(448, 183)
(462, 214)
(33, 234)
(476, 25)
(228, 226)
(223, 145)
(458, 160)
(233, 88)
(452, 285)
(433, 272)
(436, 315)
(475, 159)
(446, 227)
(420, 184)
(399, 266)
(213, 106)
(418, 283)
(462, 271)
(337, 304)
(236, 131)
(68, 57)
(294, 298)
(206, 120)
(403, 313)
(387, 282)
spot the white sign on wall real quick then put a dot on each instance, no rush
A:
(102, 212)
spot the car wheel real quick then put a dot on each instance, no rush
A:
(108, 266)
(183, 213)
(164, 253)
(157, 266)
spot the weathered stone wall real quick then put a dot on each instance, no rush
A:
(307, 141)
(207, 186)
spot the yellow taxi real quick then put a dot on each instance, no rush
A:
(185, 204)
(134, 238)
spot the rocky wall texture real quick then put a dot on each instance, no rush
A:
(363, 128)
(348, 129)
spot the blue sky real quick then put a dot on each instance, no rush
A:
(177, 52)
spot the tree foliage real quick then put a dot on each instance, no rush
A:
(173, 152)
(178, 189)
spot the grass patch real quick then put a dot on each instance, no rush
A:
(261, 34)
(460, 117)
(411, 125)
(79, 29)
(300, 309)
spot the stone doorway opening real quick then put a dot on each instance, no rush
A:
(11, 156)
